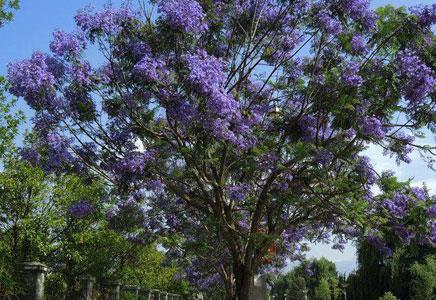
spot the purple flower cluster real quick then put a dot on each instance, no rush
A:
(151, 69)
(133, 166)
(58, 152)
(307, 125)
(365, 170)
(432, 231)
(81, 73)
(358, 44)
(359, 10)
(184, 15)
(419, 192)
(108, 21)
(328, 23)
(31, 155)
(400, 146)
(324, 157)
(67, 44)
(221, 112)
(379, 245)
(81, 209)
(238, 192)
(372, 127)
(419, 78)
(351, 76)
(398, 205)
(34, 79)
(426, 14)
(405, 235)
(206, 73)
(309, 270)
(431, 211)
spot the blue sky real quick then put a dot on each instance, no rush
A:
(36, 20)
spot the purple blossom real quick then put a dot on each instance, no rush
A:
(419, 79)
(431, 211)
(372, 127)
(293, 235)
(238, 192)
(350, 77)
(133, 166)
(365, 170)
(151, 69)
(81, 209)
(58, 152)
(419, 192)
(379, 245)
(405, 234)
(432, 231)
(307, 125)
(67, 44)
(324, 157)
(350, 133)
(31, 155)
(184, 15)
(309, 270)
(398, 205)
(350, 232)
(400, 145)
(426, 14)
(81, 73)
(360, 11)
(108, 21)
(328, 23)
(358, 44)
(34, 79)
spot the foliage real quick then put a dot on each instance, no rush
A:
(388, 296)
(322, 291)
(6, 8)
(9, 122)
(378, 274)
(212, 115)
(423, 285)
(37, 223)
(317, 278)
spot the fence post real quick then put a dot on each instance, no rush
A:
(133, 288)
(115, 290)
(148, 293)
(35, 277)
(86, 287)
(155, 294)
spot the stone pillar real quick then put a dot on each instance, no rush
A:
(164, 296)
(133, 288)
(34, 273)
(259, 290)
(86, 287)
(115, 288)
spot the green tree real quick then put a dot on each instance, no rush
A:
(9, 122)
(388, 296)
(317, 278)
(37, 222)
(322, 291)
(423, 285)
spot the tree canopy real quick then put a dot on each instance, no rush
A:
(246, 119)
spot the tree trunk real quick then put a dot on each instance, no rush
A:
(244, 279)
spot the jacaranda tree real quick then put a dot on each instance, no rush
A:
(250, 115)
